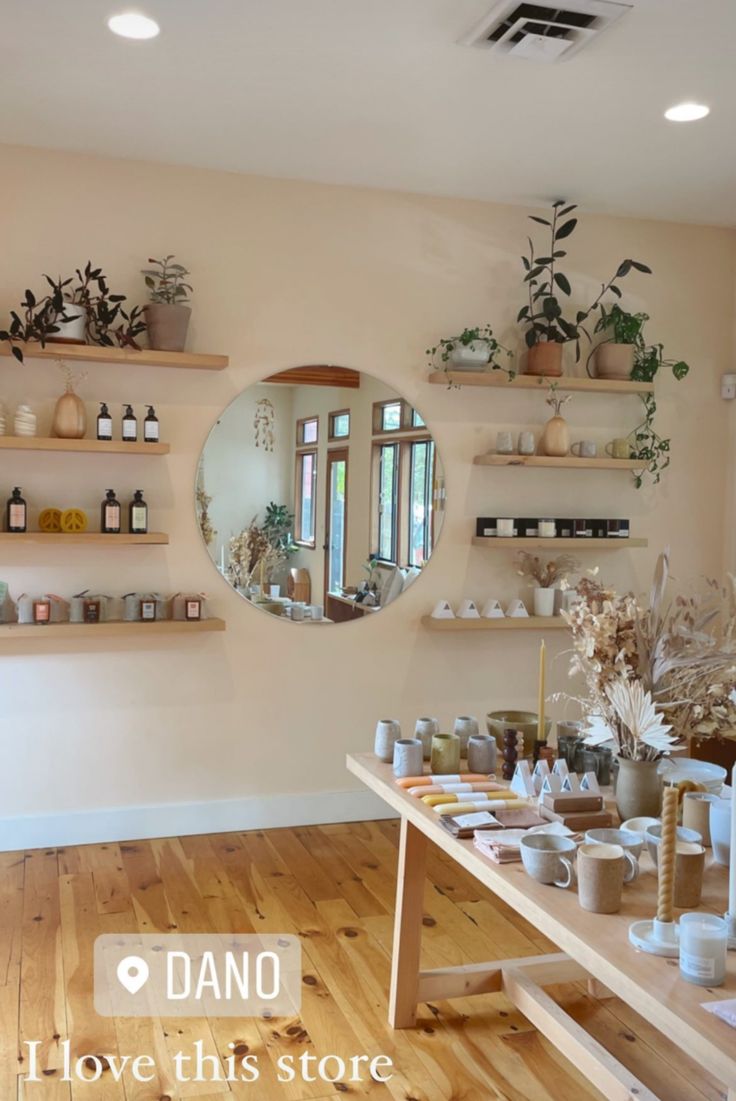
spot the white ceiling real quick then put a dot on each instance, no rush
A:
(376, 92)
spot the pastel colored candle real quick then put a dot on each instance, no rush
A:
(453, 778)
(468, 797)
(490, 804)
(439, 789)
(666, 856)
(445, 753)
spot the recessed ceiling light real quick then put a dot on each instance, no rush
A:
(132, 24)
(687, 112)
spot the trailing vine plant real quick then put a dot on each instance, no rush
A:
(447, 345)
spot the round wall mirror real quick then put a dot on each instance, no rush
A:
(320, 495)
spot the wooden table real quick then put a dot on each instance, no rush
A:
(594, 947)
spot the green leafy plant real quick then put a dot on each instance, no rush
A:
(543, 317)
(648, 446)
(496, 350)
(165, 282)
(278, 527)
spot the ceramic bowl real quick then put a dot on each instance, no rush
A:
(712, 777)
(639, 825)
(653, 836)
(627, 839)
(525, 721)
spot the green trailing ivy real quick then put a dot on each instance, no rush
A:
(445, 348)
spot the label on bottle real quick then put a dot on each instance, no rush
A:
(130, 429)
(42, 611)
(104, 428)
(138, 517)
(112, 517)
(700, 967)
(150, 431)
(17, 516)
(193, 609)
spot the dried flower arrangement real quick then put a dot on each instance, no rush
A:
(204, 501)
(680, 652)
(545, 574)
(554, 400)
(261, 548)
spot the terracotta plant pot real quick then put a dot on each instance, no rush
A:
(638, 789)
(545, 358)
(167, 326)
(614, 361)
(555, 439)
(70, 417)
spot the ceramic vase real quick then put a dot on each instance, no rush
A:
(388, 732)
(445, 757)
(464, 726)
(545, 358)
(407, 757)
(425, 730)
(638, 789)
(482, 754)
(167, 326)
(544, 601)
(555, 439)
(70, 417)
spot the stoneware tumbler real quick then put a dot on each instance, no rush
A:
(445, 756)
(388, 731)
(464, 726)
(482, 753)
(696, 813)
(425, 730)
(407, 757)
(689, 868)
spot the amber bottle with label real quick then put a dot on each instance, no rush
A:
(16, 513)
(110, 519)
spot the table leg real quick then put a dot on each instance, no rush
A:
(402, 1010)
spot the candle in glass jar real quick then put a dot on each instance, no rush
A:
(703, 943)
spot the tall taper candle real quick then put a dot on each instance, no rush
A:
(732, 861)
(540, 710)
(666, 855)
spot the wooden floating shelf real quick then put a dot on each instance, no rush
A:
(568, 462)
(493, 542)
(93, 538)
(15, 632)
(104, 447)
(94, 353)
(570, 383)
(507, 623)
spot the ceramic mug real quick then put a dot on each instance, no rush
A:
(388, 731)
(425, 730)
(526, 444)
(548, 858)
(696, 813)
(602, 871)
(504, 443)
(408, 754)
(586, 449)
(464, 726)
(620, 448)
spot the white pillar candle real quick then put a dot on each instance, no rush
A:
(703, 939)
(732, 859)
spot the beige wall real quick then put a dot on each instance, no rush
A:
(285, 274)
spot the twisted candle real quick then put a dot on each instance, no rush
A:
(666, 856)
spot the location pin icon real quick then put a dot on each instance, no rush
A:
(133, 973)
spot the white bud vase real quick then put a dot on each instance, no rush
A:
(544, 602)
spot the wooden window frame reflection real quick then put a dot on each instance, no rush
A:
(406, 428)
(400, 537)
(302, 453)
(331, 437)
(300, 431)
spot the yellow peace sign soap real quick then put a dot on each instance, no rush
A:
(73, 520)
(50, 520)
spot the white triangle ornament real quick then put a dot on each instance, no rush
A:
(443, 610)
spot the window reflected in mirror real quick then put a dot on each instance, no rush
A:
(337, 512)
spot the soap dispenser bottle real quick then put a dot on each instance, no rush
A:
(110, 519)
(16, 513)
(138, 514)
(130, 425)
(104, 423)
(151, 426)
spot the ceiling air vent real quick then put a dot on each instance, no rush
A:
(543, 32)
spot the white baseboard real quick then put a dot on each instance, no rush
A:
(182, 819)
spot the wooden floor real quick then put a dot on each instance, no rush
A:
(334, 886)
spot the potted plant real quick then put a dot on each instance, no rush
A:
(555, 439)
(472, 350)
(90, 313)
(614, 355)
(547, 328)
(167, 315)
(546, 577)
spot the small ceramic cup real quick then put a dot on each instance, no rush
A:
(689, 867)
(297, 613)
(526, 443)
(482, 754)
(445, 756)
(318, 612)
(602, 871)
(639, 825)
(388, 732)
(620, 448)
(504, 443)
(408, 754)
(425, 730)
(628, 840)
(585, 449)
(696, 813)
(548, 858)
(464, 726)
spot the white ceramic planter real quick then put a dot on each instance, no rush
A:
(72, 331)
(469, 357)
(544, 602)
